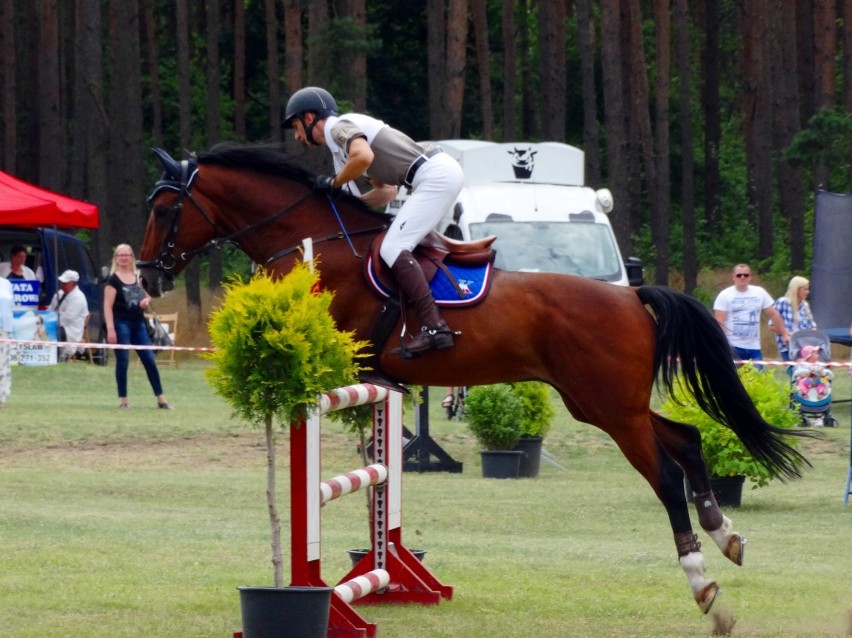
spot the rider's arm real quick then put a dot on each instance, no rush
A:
(359, 160)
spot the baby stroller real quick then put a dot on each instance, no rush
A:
(811, 384)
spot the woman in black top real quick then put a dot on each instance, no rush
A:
(124, 311)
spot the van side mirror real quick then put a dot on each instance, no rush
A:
(635, 271)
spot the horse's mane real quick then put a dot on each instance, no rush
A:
(269, 158)
(266, 158)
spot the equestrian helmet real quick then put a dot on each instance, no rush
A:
(311, 99)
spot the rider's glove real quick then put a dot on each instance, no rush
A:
(325, 184)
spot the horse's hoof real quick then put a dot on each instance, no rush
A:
(735, 549)
(707, 596)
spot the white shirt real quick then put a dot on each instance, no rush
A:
(6, 268)
(7, 300)
(72, 315)
(742, 324)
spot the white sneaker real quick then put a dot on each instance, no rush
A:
(818, 422)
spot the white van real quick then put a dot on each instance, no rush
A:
(532, 197)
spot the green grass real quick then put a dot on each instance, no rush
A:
(143, 522)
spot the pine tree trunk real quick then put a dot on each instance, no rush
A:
(510, 70)
(687, 180)
(483, 65)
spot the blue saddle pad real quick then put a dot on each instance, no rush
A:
(474, 282)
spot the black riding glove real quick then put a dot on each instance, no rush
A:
(325, 184)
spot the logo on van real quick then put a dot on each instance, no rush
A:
(523, 161)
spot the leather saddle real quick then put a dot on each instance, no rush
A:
(435, 252)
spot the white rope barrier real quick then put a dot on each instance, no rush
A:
(827, 364)
(102, 346)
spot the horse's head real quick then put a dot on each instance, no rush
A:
(178, 227)
(252, 196)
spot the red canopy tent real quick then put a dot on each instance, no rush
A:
(23, 204)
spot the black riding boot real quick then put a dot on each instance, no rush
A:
(434, 333)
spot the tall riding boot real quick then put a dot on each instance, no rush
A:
(434, 333)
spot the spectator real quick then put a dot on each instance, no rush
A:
(6, 328)
(125, 302)
(17, 267)
(795, 312)
(737, 309)
(812, 378)
(70, 304)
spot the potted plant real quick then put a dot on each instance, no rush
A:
(537, 417)
(494, 413)
(728, 461)
(276, 349)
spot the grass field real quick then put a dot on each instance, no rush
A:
(143, 523)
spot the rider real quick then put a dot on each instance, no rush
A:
(362, 145)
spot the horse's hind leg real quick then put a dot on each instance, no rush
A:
(652, 460)
(683, 443)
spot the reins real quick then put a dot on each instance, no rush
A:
(166, 260)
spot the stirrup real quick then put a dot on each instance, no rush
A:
(439, 338)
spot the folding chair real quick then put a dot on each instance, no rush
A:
(169, 322)
(87, 353)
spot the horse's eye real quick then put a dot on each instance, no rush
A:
(161, 210)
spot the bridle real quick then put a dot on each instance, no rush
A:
(179, 177)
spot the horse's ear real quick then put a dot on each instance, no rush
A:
(170, 166)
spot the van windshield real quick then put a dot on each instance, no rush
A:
(584, 249)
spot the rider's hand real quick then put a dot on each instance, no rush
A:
(325, 184)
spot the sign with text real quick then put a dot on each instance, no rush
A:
(25, 292)
(35, 325)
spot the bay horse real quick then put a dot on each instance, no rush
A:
(530, 326)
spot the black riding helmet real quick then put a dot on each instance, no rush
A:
(311, 99)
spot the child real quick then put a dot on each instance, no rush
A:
(812, 378)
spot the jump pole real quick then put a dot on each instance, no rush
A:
(390, 573)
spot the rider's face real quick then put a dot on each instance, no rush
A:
(299, 131)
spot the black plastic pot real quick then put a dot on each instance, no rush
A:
(530, 448)
(501, 464)
(728, 490)
(288, 612)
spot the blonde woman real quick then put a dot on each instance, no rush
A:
(794, 311)
(6, 328)
(125, 302)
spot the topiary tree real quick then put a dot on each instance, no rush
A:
(276, 350)
(494, 413)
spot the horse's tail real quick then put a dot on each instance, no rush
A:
(689, 339)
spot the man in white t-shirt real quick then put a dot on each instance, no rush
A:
(71, 306)
(738, 309)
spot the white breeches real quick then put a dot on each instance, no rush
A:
(436, 185)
